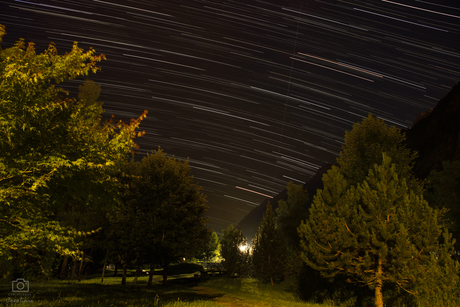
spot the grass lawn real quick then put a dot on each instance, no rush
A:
(182, 291)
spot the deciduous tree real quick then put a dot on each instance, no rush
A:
(212, 248)
(163, 211)
(234, 249)
(52, 147)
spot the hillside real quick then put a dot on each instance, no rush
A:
(435, 134)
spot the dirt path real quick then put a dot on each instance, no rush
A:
(222, 298)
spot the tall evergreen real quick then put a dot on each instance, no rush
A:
(377, 232)
(443, 192)
(291, 212)
(363, 148)
(268, 254)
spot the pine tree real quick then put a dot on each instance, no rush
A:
(269, 248)
(443, 192)
(363, 148)
(291, 212)
(376, 232)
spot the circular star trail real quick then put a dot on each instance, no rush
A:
(254, 93)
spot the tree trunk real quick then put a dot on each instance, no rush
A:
(87, 268)
(63, 273)
(165, 273)
(81, 265)
(74, 267)
(152, 270)
(116, 269)
(138, 272)
(378, 286)
(103, 271)
(123, 279)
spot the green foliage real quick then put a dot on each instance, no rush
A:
(443, 192)
(160, 216)
(236, 258)
(291, 212)
(212, 248)
(268, 250)
(289, 215)
(364, 145)
(377, 232)
(53, 148)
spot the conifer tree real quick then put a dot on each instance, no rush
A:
(443, 192)
(363, 148)
(269, 248)
(291, 212)
(377, 232)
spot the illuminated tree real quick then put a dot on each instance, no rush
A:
(363, 148)
(234, 250)
(377, 232)
(212, 248)
(54, 151)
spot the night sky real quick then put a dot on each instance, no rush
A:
(255, 93)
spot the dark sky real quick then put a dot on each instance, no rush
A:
(255, 93)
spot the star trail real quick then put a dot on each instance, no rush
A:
(254, 93)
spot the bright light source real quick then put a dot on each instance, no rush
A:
(243, 247)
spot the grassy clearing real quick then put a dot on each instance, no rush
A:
(182, 291)
(90, 292)
(252, 292)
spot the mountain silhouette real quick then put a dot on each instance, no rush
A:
(435, 135)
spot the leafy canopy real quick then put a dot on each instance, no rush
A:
(160, 218)
(234, 250)
(49, 142)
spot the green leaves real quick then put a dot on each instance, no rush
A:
(160, 215)
(55, 153)
(236, 258)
